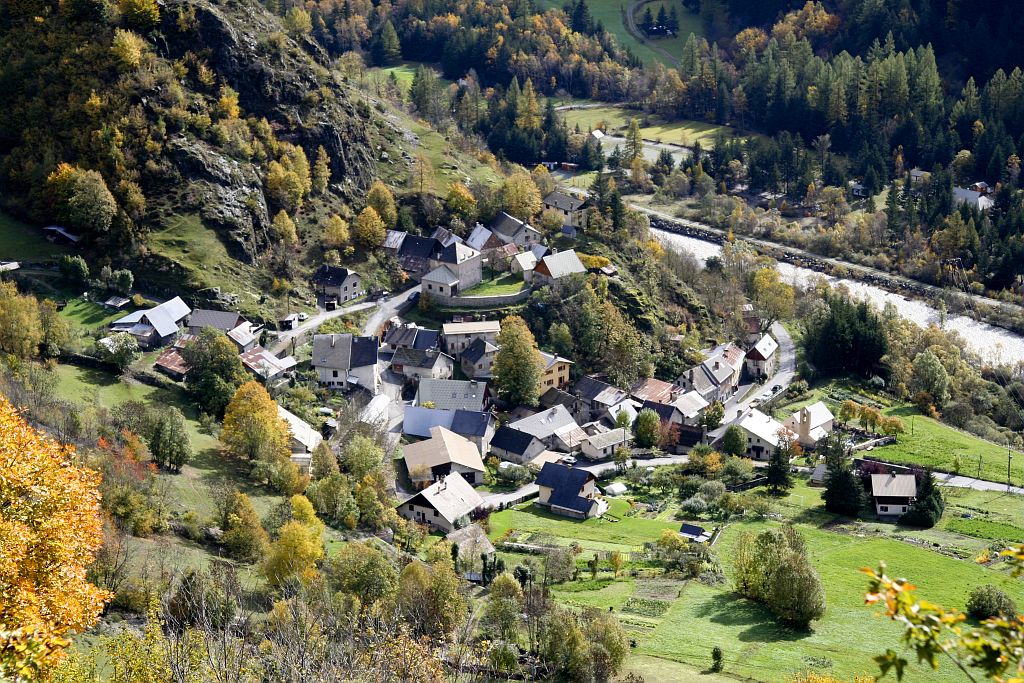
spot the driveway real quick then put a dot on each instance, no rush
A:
(285, 338)
(385, 310)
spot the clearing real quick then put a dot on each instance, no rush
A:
(510, 283)
(22, 242)
(614, 121)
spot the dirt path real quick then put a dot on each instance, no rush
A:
(635, 31)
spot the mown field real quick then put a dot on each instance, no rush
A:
(614, 121)
(677, 623)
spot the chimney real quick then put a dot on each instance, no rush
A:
(716, 365)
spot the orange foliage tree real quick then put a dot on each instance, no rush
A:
(50, 531)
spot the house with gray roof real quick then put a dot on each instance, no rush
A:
(411, 336)
(452, 394)
(596, 397)
(478, 358)
(602, 446)
(157, 326)
(444, 505)
(475, 425)
(893, 494)
(516, 446)
(569, 491)
(555, 427)
(554, 267)
(345, 361)
(423, 364)
(569, 208)
(511, 230)
(340, 284)
(224, 321)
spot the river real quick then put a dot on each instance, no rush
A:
(991, 343)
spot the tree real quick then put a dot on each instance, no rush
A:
(383, 202)
(421, 179)
(294, 554)
(55, 328)
(518, 364)
(120, 348)
(170, 444)
(930, 376)
(927, 508)
(734, 442)
(214, 370)
(362, 456)
(244, 537)
(772, 568)
(21, 331)
(321, 171)
(323, 463)
(284, 229)
(389, 49)
(82, 199)
(50, 532)
(796, 595)
(713, 415)
(778, 472)
(460, 201)
(363, 570)
(74, 268)
(430, 599)
(141, 15)
(520, 197)
(502, 612)
(646, 431)
(298, 22)
(773, 298)
(370, 230)
(988, 601)
(254, 431)
(336, 232)
(560, 339)
(634, 142)
(616, 562)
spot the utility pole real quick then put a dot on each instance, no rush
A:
(1009, 457)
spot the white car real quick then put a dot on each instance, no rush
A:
(303, 317)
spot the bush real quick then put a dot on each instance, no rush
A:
(711, 491)
(988, 601)
(717, 659)
(694, 505)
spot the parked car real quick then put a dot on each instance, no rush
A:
(569, 460)
(777, 388)
(303, 317)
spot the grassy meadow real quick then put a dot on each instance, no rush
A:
(614, 121)
(22, 242)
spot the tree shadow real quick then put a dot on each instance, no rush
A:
(732, 609)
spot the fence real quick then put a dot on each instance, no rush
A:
(747, 485)
(482, 302)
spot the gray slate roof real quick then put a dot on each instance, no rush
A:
(224, 321)
(452, 394)
(343, 351)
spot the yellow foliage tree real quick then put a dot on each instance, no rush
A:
(336, 232)
(294, 554)
(460, 200)
(22, 331)
(519, 196)
(253, 430)
(141, 15)
(383, 202)
(369, 228)
(227, 103)
(50, 531)
(284, 229)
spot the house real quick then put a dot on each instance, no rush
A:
(556, 397)
(304, 438)
(516, 446)
(441, 282)
(444, 505)
(471, 540)
(245, 336)
(975, 200)
(458, 336)
(686, 410)
(893, 494)
(171, 364)
(555, 427)
(483, 240)
(478, 358)
(452, 394)
(596, 397)
(554, 267)
(556, 370)
(415, 254)
(523, 263)
(602, 446)
(420, 364)
(763, 434)
(650, 389)
(694, 533)
(569, 491)
(60, 235)
(462, 261)
(410, 336)
(627, 406)
(718, 376)
(570, 208)
(345, 360)
(475, 425)
(752, 327)
(393, 242)
(115, 302)
(511, 230)
(340, 284)
(981, 187)
(265, 365)
(239, 330)
(597, 134)
(443, 453)
(446, 237)
(819, 476)
(811, 423)
(859, 190)
(501, 258)
(760, 361)
(155, 326)
(917, 176)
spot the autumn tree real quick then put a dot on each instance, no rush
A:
(773, 299)
(363, 570)
(244, 537)
(634, 142)
(50, 532)
(520, 197)
(321, 171)
(295, 552)
(21, 331)
(460, 201)
(120, 349)
(141, 15)
(82, 199)
(369, 229)
(504, 607)
(421, 177)
(324, 462)
(214, 370)
(284, 229)
(383, 202)
(336, 235)
(429, 598)
(518, 364)
(254, 431)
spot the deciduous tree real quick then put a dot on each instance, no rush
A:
(370, 230)
(214, 370)
(383, 202)
(518, 364)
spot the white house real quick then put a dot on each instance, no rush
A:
(554, 267)
(761, 357)
(458, 336)
(304, 438)
(154, 326)
(811, 423)
(603, 445)
(443, 453)
(426, 363)
(444, 505)
(569, 208)
(763, 434)
(893, 494)
(344, 361)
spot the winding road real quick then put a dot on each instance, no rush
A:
(635, 31)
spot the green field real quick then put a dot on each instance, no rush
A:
(21, 242)
(614, 120)
(404, 74)
(928, 442)
(510, 283)
(89, 315)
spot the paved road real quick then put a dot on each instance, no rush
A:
(385, 310)
(652, 150)
(284, 339)
(493, 500)
(976, 484)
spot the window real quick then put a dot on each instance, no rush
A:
(435, 513)
(335, 373)
(883, 508)
(410, 507)
(430, 286)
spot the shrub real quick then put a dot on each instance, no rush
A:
(694, 505)
(988, 601)
(717, 659)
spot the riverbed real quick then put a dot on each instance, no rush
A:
(991, 343)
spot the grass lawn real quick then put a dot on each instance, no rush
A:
(91, 314)
(509, 283)
(22, 242)
(450, 164)
(612, 119)
(405, 72)
(929, 442)
(593, 534)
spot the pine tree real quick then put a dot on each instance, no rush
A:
(777, 473)
(634, 142)
(321, 171)
(389, 49)
(528, 109)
